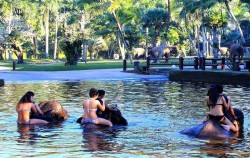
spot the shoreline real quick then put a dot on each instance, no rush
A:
(10, 76)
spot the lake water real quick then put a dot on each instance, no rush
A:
(156, 110)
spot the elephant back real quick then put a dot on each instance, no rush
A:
(209, 130)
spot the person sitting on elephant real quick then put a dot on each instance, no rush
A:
(216, 103)
(108, 110)
(24, 107)
(90, 107)
(101, 95)
(228, 100)
(36, 112)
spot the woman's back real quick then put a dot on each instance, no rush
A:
(23, 111)
(216, 109)
(90, 107)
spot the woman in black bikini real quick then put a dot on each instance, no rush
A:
(216, 103)
(24, 107)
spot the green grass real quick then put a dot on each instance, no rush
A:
(51, 65)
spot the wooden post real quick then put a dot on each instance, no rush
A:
(223, 62)
(203, 63)
(200, 62)
(148, 62)
(214, 64)
(181, 59)
(14, 65)
(196, 63)
(124, 65)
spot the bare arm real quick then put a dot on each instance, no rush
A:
(33, 108)
(225, 103)
(108, 107)
(38, 109)
(100, 106)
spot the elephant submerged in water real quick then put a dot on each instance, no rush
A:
(212, 129)
(52, 110)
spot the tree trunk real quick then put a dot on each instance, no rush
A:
(55, 44)
(121, 46)
(47, 34)
(155, 37)
(192, 46)
(235, 20)
(168, 19)
(84, 53)
(20, 58)
(123, 39)
(204, 50)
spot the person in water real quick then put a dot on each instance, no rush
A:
(216, 103)
(37, 109)
(101, 95)
(90, 107)
(228, 100)
(24, 108)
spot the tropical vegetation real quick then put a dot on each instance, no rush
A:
(89, 29)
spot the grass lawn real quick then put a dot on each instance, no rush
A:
(51, 65)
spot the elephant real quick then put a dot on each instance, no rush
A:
(162, 51)
(236, 50)
(138, 53)
(52, 110)
(114, 116)
(212, 129)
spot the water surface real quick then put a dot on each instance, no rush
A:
(156, 110)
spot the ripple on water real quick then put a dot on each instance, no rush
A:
(156, 111)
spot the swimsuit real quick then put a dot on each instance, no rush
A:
(24, 123)
(217, 118)
(88, 109)
(84, 121)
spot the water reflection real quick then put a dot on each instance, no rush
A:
(97, 138)
(220, 148)
(27, 135)
(156, 111)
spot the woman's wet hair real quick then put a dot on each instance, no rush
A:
(219, 88)
(26, 98)
(213, 95)
(93, 92)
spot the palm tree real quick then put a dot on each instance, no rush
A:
(155, 18)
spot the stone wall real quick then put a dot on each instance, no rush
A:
(223, 77)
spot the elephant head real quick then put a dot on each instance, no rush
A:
(53, 111)
(212, 129)
(114, 116)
